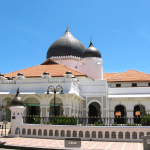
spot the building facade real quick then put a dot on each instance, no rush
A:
(87, 91)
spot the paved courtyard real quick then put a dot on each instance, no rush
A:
(59, 144)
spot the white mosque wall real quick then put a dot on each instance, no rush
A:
(129, 90)
(69, 61)
(128, 84)
(40, 86)
(92, 67)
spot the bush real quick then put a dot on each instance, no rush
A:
(60, 121)
(146, 120)
(66, 122)
(96, 123)
(36, 120)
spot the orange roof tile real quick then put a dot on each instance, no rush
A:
(54, 69)
(128, 76)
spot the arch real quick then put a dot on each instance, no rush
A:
(39, 132)
(113, 135)
(56, 133)
(93, 134)
(74, 133)
(106, 134)
(24, 131)
(87, 134)
(120, 114)
(100, 134)
(6, 113)
(29, 132)
(120, 135)
(17, 131)
(94, 112)
(148, 133)
(134, 135)
(127, 135)
(34, 131)
(32, 108)
(68, 133)
(141, 134)
(91, 101)
(58, 106)
(138, 111)
(62, 133)
(80, 133)
(51, 132)
(45, 132)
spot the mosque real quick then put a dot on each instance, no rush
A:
(76, 75)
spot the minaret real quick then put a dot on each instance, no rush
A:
(17, 108)
(91, 62)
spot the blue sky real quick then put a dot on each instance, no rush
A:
(120, 30)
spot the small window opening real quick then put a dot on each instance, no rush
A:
(118, 85)
(76, 67)
(148, 84)
(134, 84)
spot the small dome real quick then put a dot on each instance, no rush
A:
(45, 73)
(91, 51)
(10, 78)
(20, 74)
(17, 101)
(1, 75)
(67, 45)
(68, 72)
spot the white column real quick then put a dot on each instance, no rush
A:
(64, 112)
(47, 112)
(69, 111)
(77, 109)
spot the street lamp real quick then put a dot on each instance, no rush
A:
(59, 87)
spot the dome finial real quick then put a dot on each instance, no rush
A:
(91, 44)
(68, 26)
(17, 93)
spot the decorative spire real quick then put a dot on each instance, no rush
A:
(17, 93)
(91, 44)
(68, 26)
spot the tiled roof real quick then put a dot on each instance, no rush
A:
(128, 76)
(54, 69)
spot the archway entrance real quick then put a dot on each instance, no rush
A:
(94, 112)
(120, 114)
(32, 109)
(6, 113)
(139, 111)
(58, 107)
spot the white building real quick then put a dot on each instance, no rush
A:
(87, 90)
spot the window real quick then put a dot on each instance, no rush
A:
(76, 67)
(118, 85)
(148, 84)
(134, 84)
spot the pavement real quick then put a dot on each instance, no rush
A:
(38, 144)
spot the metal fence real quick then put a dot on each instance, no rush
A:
(90, 120)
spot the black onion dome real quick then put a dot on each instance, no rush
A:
(1, 75)
(68, 72)
(20, 74)
(10, 78)
(91, 51)
(67, 45)
(45, 73)
(17, 101)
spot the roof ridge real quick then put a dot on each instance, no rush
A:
(22, 69)
(139, 71)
